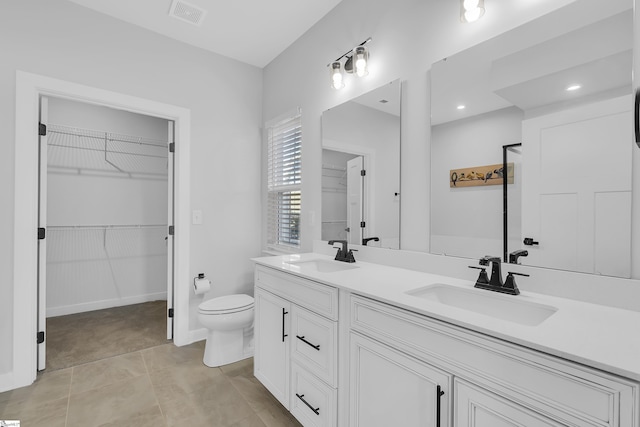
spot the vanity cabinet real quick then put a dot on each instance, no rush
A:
(487, 382)
(391, 388)
(296, 344)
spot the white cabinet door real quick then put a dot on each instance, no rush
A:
(389, 388)
(271, 357)
(477, 407)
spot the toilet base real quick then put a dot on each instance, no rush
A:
(225, 347)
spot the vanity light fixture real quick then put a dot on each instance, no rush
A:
(356, 62)
(461, 107)
(572, 88)
(471, 10)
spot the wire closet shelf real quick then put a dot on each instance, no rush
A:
(90, 151)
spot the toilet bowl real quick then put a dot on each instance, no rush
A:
(229, 320)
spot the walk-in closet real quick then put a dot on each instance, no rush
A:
(108, 192)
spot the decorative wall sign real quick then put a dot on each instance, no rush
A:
(480, 175)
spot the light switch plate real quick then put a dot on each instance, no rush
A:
(196, 217)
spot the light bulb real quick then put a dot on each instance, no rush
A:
(473, 14)
(470, 4)
(335, 74)
(360, 61)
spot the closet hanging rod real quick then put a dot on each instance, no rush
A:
(109, 151)
(104, 227)
(101, 136)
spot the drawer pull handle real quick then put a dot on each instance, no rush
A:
(284, 312)
(316, 410)
(301, 338)
(439, 394)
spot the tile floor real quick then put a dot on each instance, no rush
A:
(160, 386)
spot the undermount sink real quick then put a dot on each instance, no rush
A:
(323, 265)
(510, 308)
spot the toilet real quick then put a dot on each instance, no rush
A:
(229, 320)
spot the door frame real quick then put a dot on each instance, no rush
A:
(29, 88)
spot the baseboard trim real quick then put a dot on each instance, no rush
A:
(99, 305)
(7, 382)
(196, 335)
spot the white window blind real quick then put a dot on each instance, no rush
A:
(284, 182)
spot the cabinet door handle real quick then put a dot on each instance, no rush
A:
(439, 394)
(315, 410)
(637, 117)
(284, 313)
(301, 338)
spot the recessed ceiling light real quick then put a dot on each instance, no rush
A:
(573, 87)
(461, 107)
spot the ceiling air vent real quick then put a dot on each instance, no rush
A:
(187, 12)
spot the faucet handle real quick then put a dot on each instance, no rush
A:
(482, 278)
(510, 281)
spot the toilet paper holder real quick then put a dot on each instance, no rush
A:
(201, 284)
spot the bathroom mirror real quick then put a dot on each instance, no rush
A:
(560, 86)
(361, 169)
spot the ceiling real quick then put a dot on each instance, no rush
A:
(251, 31)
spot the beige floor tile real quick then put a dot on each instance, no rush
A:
(106, 372)
(252, 390)
(276, 415)
(120, 401)
(149, 418)
(217, 404)
(184, 379)
(169, 355)
(49, 413)
(242, 368)
(252, 421)
(47, 386)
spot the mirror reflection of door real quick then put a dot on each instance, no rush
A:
(335, 215)
(355, 202)
(577, 201)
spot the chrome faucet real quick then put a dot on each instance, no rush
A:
(344, 254)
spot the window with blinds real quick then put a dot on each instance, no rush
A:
(284, 182)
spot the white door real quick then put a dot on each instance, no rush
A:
(271, 358)
(477, 407)
(171, 231)
(355, 191)
(389, 388)
(42, 242)
(576, 200)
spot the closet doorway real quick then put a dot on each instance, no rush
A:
(105, 253)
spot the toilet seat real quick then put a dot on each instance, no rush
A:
(226, 304)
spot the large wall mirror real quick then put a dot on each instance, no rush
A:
(361, 169)
(554, 99)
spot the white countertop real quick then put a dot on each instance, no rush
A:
(602, 337)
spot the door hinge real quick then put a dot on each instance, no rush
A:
(363, 172)
(41, 233)
(172, 147)
(171, 312)
(362, 224)
(40, 337)
(42, 129)
(171, 230)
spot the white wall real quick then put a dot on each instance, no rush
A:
(60, 39)
(467, 221)
(380, 137)
(89, 269)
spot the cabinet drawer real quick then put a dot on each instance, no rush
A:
(312, 402)
(314, 342)
(564, 390)
(315, 296)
